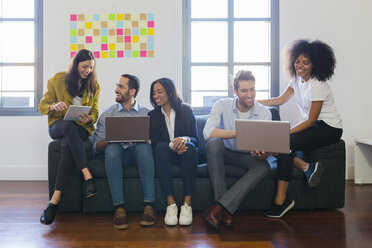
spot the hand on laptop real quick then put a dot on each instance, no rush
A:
(262, 155)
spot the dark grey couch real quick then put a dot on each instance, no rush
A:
(330, 194)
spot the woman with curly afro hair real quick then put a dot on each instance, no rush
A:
(310, 65)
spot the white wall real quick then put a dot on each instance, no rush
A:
(344, 24)
(24, 140)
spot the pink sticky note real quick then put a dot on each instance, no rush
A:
(143, 54)
(120, 54)
(88, 39)
(150, 24)
(72, 54)
(128, 38)
(97, 54)
(104, 47)
(119, 31)
(73, 17)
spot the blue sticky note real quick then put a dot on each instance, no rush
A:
(128, 54)
(119, 24)
(135, 31)
(150, 46)
(150, 39)
(73, 25)
(96, 17)
(73, 40)
(150, 16)
(104, 32)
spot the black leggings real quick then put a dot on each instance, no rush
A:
(73, 153)
(320, 134)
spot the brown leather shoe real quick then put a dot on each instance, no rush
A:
(226, 219)
(213, 215)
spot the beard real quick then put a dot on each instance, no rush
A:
(123, 98)
(244, 104)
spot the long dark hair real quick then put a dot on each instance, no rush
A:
(174, 99)
(73, 77)
(321, 55)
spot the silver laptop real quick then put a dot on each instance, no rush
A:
(259, 135)
(127, 129)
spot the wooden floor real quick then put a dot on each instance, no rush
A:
(21, 204)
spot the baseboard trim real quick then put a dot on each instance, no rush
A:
(32, 173)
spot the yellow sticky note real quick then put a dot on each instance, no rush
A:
(81, 25)
(134, 17)
(81, 39)
(88, 25)
(135, 38)
(104, 17)
(120, 17)
(96, 24)
(135, 46)
(120, 46)
(112, 39)
(73, 47)
(88, 18)
(150, 31)
(96, 39)
(127, 24)
(112, 47)
(112, 24)
(88, 46)
(89, 32)
(143, 39)
(104, 54)
(143, 24)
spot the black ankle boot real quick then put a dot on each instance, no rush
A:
(49, 213)
(90, 188)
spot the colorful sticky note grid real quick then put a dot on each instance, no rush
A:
(123, 35)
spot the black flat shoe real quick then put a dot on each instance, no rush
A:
(277, 211)
(49, 213)
(90, 188)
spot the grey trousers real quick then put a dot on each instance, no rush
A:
(217, 156)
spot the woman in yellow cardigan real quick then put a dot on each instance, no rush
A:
(77, 86)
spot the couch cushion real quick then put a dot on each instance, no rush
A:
(96, 166)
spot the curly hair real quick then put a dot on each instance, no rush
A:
(321, 55)
(73, 77)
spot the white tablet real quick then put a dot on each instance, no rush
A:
(74, 110)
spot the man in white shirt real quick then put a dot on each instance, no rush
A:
(221, 148)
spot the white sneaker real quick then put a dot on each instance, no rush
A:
(185, 215)
(170, 218)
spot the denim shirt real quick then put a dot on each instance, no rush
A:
(223, 116)
(116, 110)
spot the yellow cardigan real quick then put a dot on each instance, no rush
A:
(57, 92)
